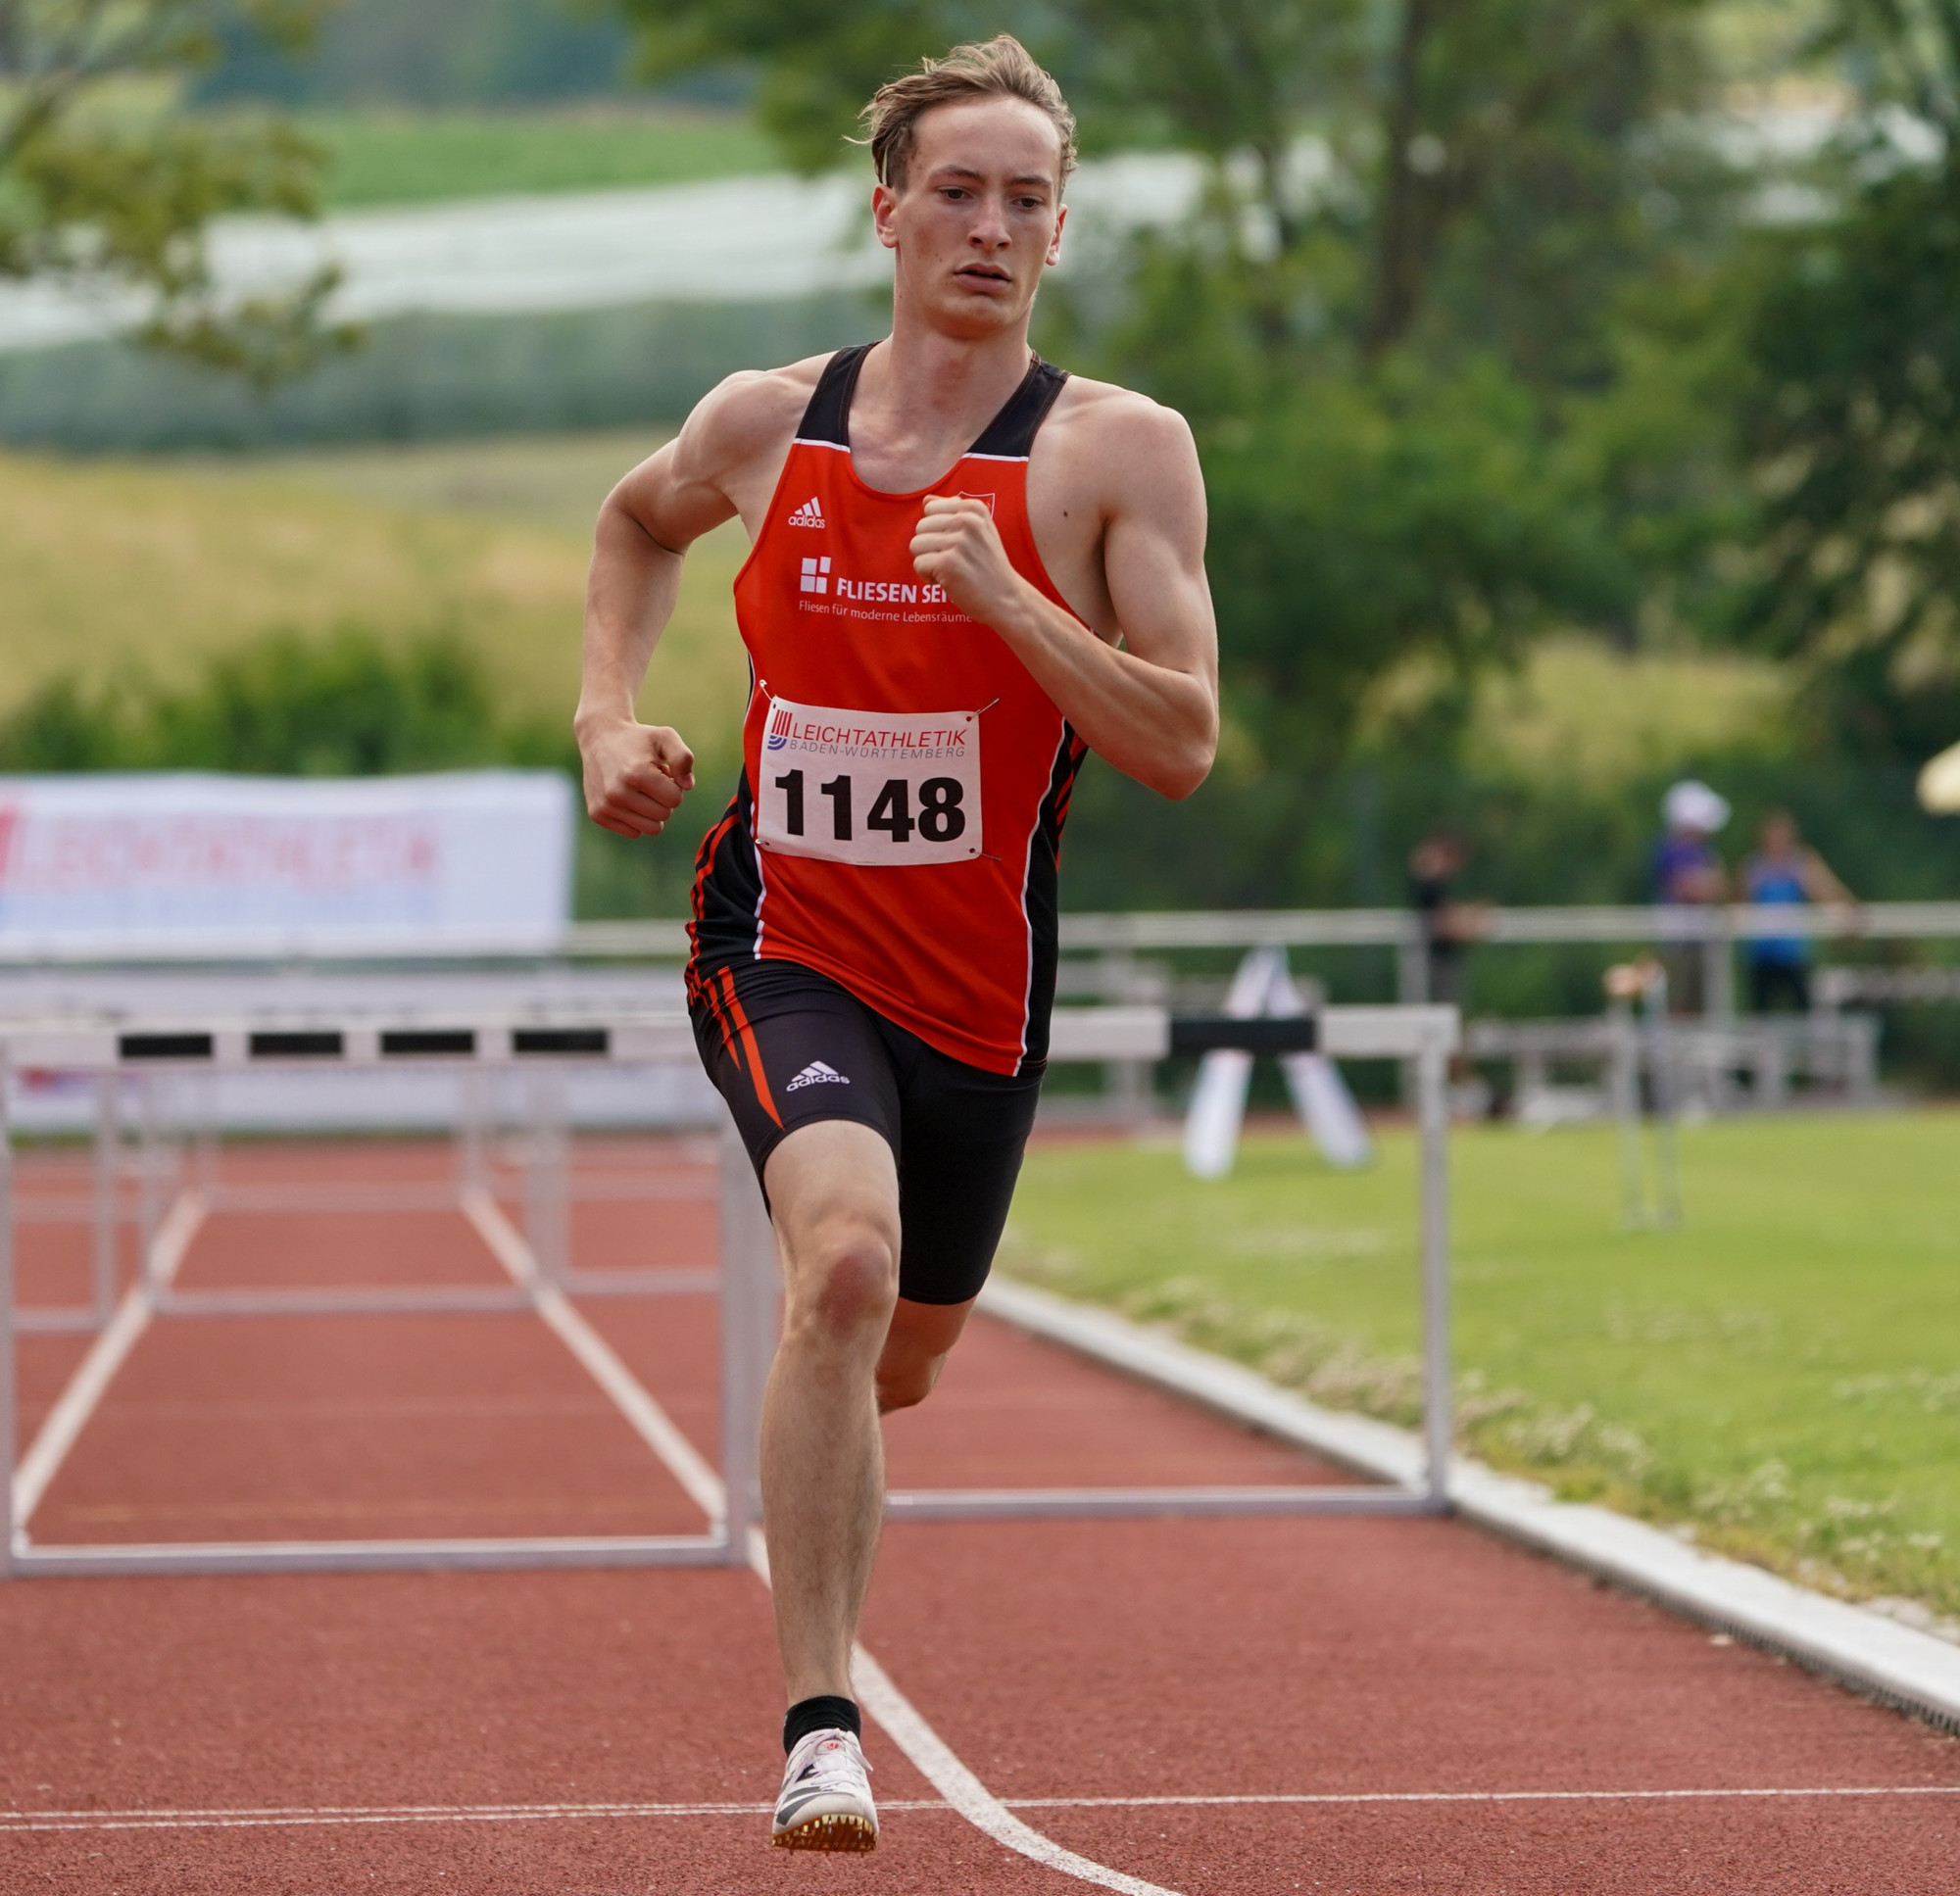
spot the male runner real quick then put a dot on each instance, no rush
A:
(966, 568)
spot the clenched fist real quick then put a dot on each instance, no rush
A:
(957, 544)
(635, 775)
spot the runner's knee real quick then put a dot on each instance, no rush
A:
(847, 1280)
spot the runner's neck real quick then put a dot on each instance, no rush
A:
(923, 399)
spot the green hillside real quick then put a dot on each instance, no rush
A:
(113, 565)
(384, 155)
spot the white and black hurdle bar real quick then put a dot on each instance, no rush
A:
(746, 1283)
(536, 1259)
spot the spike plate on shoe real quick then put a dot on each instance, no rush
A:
(839, 1831)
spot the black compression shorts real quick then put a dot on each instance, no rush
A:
(787, 1046)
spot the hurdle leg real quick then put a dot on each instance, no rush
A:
(1667, 1155)
(546, 1210)
(748, 1337)
(149, 1158)
(1439, 1421)
(8, 1456)
(1625, 1085)
(108, 1141)
(202, 1135)
(470, 1175)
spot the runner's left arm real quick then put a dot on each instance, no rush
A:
(1149, 705)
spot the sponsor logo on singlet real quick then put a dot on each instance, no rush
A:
(810, 514)
(817, 1072)
(818, 578)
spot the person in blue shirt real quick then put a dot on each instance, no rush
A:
(1785, 870)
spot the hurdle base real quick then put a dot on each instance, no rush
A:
(374, 1556)
(663, 1280)
(76, 1322)
(1133, 1503)
(379, 1300)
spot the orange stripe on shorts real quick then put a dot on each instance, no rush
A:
(750, 1050)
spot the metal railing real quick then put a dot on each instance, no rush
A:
(1237, 928)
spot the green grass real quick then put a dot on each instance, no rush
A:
(418, 158)
(1781, 1376)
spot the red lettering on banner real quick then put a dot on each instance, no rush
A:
(73, 855)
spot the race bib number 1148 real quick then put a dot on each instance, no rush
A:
(879, 788)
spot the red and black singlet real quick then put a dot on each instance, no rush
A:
(898, 822)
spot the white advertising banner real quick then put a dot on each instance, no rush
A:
(186, 866)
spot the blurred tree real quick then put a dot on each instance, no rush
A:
(434, 53)
(1528, 136)
(347, 703)
(1410, 523)
(98, 186)
(1852, 412)
(819, 59)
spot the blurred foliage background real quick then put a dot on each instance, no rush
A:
(1578, 385)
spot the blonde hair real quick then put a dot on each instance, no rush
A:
(1001, 67)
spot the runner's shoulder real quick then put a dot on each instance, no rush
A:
(754, 410)
(1118, 433)
(1107, 417)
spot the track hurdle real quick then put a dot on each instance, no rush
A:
(1425, 1037)
(174, 1197)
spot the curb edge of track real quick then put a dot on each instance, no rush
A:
(1894, 1665)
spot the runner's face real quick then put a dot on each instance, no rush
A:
(980, 215)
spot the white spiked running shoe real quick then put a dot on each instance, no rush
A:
(825, 1803)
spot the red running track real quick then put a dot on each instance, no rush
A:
(1212, 1707)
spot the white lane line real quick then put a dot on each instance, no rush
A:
(307, 1817)
(928, 1753)
(316, 1820)
(1479, 1797)
(106, 1355)
(652, 1424)
(937, 1762)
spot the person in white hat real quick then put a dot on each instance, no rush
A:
(1687, 872)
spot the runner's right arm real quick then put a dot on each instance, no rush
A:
(635, 774)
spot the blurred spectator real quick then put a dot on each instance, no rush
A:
(1447, 925)
(1785, 869)
(1687, 873)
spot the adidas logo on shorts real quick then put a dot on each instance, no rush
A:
(808, 514)
(817, 1074)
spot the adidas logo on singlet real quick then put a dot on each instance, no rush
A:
(810, 513)
(817, 1074)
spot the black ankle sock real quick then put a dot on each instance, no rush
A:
(825, 1714)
